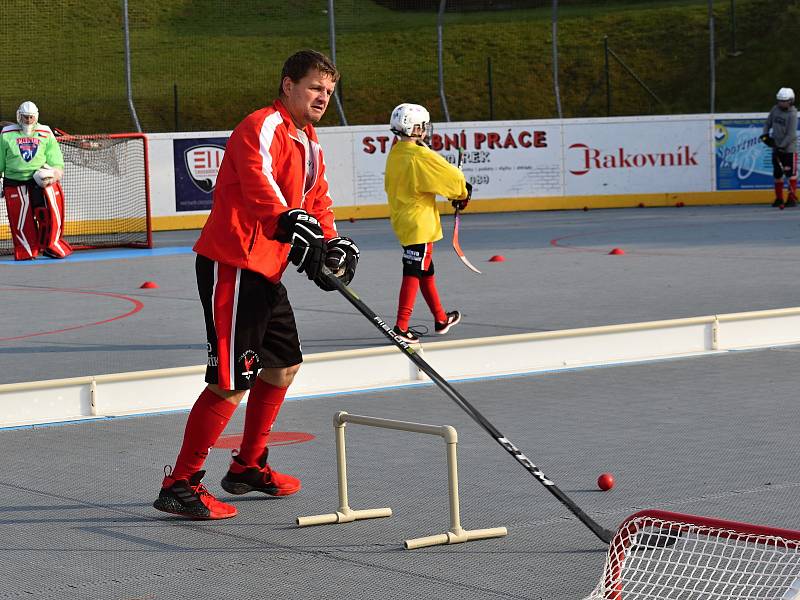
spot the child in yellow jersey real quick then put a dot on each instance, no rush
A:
(415, 174)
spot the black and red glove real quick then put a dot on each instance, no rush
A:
(341, 259)
(767, 140)
(462, 203)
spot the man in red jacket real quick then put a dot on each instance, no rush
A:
(271, 207)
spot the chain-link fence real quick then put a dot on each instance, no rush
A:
(201, 65)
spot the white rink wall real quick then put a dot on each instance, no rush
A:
(513, 165)
(89, 397)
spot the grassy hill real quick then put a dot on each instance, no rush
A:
(222, 59)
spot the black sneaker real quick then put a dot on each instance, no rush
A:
(241, 479)
(777, 202)
(792, 201)
(190, 499)
(407, 335)
(453, 318)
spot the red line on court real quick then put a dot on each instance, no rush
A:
(558, 241)
(137, 306)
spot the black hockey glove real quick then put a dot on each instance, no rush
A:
(767, 140)
(341, 258)
(302, 231)
(462, 204)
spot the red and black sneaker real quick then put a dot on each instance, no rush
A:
(190, 499)
(453, 318)
(241, 479)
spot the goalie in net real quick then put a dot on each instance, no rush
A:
(662, 555)
(32, 165)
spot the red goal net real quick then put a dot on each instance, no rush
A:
(106, 192)
(663, 555)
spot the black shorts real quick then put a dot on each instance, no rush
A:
(249, 324)
(784, 164)
(418, 259)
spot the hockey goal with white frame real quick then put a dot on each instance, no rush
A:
(664, 555)
(106, 192)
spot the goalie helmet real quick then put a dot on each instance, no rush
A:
(27, 108)
(785, 94)
(406, 117)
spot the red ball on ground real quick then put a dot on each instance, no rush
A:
(641, 204)
(497, 258)
(149, 285)
(352, 220)
(617, 251)
(605, 482)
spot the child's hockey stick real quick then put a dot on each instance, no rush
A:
(602, 533)
(456, 244)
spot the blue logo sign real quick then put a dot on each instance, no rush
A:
(197, 162)
(743, 161)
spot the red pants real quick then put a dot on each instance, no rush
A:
(36, 216)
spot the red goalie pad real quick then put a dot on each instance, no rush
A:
(36, 218)
(50, 220)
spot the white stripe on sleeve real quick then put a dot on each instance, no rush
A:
(265, 137)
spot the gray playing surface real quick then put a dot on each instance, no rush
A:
(712, 435)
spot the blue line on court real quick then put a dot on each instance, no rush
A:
(93, 255)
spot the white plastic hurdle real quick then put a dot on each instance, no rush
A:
(455, 535)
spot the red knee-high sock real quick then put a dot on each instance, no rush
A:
(793, 188)
(207, 420)
(405, 306)
(431, 295)
(779, 190)
(263, 405)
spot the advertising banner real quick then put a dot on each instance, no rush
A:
(521, 160)
(197, 163)
(743, 161)
(637, 157)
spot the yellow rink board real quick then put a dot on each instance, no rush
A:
(93, 227)
(486, 205)
(490, 205)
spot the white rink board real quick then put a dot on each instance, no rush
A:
(503, 167)
(373, 368)
(513, 159)
(639, 157)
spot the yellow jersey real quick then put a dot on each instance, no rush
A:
(414, 175)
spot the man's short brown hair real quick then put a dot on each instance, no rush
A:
(300, 63)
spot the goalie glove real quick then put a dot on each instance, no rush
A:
(767, 140)
(46, 176)
(341, 258)
(303, 232)
(462, 204)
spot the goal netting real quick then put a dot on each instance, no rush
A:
(664, 555)
(106, 192)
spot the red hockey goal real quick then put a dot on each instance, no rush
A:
(106, 192)
(664, 555)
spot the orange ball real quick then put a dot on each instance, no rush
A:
(605, 482)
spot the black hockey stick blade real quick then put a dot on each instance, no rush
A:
(603, 534)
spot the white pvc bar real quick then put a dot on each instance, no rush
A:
(351, 370)
(345, 514)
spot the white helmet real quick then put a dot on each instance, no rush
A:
(785, 94)
(27, 108)
(405, 117)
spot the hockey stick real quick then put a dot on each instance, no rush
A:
(457, 246)
(457, 221)
(603, 534)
